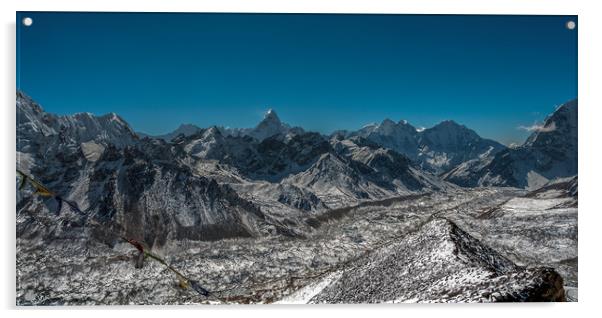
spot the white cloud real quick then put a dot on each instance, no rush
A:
(539, 127)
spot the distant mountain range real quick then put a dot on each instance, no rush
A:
(548, 153)
(269, 126)
(211, 183)
(437, 149)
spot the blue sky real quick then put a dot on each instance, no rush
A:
(322, 72)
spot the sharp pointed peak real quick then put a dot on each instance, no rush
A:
(271, 114)
(212, 130)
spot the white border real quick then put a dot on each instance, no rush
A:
(590, 85)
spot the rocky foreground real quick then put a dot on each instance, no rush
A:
(435, 247)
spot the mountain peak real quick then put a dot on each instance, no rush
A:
(387, 122)
(271, 116)
(448, 123)
(450, 128)
(212, 132)
(269, 126)
(560, 126)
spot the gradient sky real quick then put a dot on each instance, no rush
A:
(322, 72)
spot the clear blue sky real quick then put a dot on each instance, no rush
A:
(321, 72)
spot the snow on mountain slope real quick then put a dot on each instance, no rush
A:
(331, 176)
(449, 144)
(401, 136)
(436, 149)
(549, 153)
(286, 210)
(557, 188)
(439, 263)
(389, 169)
(538, 228)
(336, 171)
(147, 187)
(268, 127)
(271, 159)
(357, 169)
(38, 128)
(146, 191)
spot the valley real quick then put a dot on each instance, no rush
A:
(266, 270)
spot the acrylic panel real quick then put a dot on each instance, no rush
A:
(204, 158)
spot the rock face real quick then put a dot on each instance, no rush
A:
(549, 153)
(440, 263)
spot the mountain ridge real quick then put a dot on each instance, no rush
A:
(550, 152)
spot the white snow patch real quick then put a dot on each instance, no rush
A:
(24, 161)
(535, 180)
(528, 204)
(306, 293)
(92, 150)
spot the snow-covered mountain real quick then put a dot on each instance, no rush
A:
(449, 144)
(36, 127)
(268, 127)
(144, 186)
(436, 149)
(146, 191)
(401, 136)
(550, 152)
(271, 126)
(262, 213)
(439, 263)
(160, 190)
(273, 165)
(270, 159)
(359, 168)
(334, 171)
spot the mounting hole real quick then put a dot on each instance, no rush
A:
(27, 21)
(571, 25)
